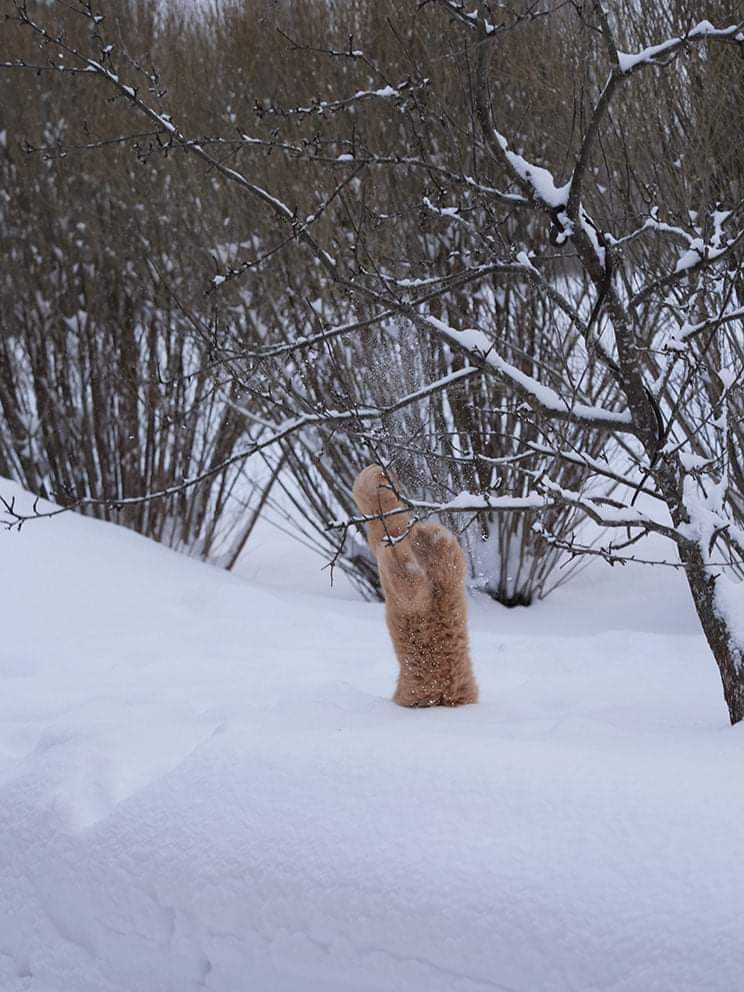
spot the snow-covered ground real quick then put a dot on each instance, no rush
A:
(204, 785)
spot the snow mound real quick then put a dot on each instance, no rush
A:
(204, 785)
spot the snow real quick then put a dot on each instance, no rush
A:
(698, 252)
(524, 259)
(205, 785)
(692, 256)
(537, 177)
(478, 343)
(628, 61)
(592, 233)
(471, 501)
(320, 106)
(719, 218)
(728, 379)
(730, 606)
(386, 91)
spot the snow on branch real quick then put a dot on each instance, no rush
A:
(477, 21)
(622, 65)
(320, 107)
(540, 397)
(707, 516)
(547, 495)
(659, 54)
(536, 178)
(652, 223)
(699, 255)
(678, 338)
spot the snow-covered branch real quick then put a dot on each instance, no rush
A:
(540, 397)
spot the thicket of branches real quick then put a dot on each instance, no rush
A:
(117, 377)
(496, 247)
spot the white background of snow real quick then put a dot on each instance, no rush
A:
(204, 785)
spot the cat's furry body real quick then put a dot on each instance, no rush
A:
(423, 579)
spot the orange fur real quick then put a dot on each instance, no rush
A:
(423, 579)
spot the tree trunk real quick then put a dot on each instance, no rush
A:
(728, 655)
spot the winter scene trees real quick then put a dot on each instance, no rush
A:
(249, 248)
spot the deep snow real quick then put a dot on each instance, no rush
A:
(204, 785)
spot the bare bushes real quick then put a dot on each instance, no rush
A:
(472, 437)
(104, 390)
(123, 379)
(390, 160)
(106, 387)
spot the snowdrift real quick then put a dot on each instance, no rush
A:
(204, 785)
